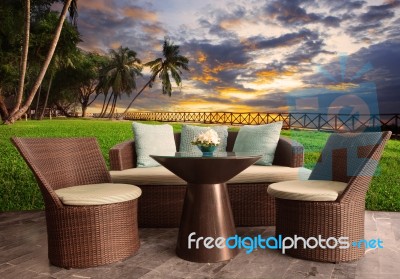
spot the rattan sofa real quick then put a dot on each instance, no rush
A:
(163, 193)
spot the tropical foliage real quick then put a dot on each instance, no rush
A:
(119, 77)
(42, 69)
(19, 18)
(171, 64)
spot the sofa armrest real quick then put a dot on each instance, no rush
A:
(123, 156)
(289, 153)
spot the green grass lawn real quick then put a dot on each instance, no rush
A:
(19, 191)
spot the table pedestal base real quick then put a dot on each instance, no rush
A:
(206, 213)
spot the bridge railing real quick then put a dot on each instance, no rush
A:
(316, 121)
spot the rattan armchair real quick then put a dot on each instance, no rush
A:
(348, 159)
(80, 235)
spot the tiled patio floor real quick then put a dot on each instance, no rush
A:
(23, 254)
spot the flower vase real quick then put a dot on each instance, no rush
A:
(207, 150)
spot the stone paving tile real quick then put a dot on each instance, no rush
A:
(179, 266)
(369, 264)
(344, 271)
(154, 274)
(306, 269)
(209, 270)
(119, 271)
(5, 266)
(17, 272)
(389, 261)
(155, 260)
(396, 229)
(43, 276)
(23, 254)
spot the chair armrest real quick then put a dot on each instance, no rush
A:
(123, 156)
(289, 153)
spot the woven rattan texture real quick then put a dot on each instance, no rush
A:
(161, 205)
(341, 218)
(79, 236)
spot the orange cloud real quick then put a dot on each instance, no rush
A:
(232, 92)
(200, 105)
(268, 76)
(140, 14)
(115, 45)
(96, 5)
(208, 73)
(342, 86)
(153, 29)
(230, 23)
(201, 57)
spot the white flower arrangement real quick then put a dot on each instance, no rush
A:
(208, 138)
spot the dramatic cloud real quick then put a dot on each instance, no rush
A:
(377, 13)
(344, 5)
(250, 55)
(140, 14)
(294, 13)
(288, 39)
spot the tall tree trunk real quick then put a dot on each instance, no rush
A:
(84, 108)
(104, 104)
(24, 57)
(152, 78)
(15, 116)
(47, 95)
(114, 103)
(37, 103)
(3, 108)
(85, 104)
(105, 110)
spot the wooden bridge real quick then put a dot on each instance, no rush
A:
(316, 121)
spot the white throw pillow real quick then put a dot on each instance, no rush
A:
(152, 140)
(259, 139)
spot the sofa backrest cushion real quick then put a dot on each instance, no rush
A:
(152, 140)
(259, 139)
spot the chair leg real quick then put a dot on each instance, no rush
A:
(325, 219)
(89, 236)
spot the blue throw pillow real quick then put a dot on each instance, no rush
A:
(152, 140)
(189, 132)
(260, 139)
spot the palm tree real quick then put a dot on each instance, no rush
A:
(172, 64)
(57, 63)
(24, 56)
(71, 6)
(64, 54)
(120, 75)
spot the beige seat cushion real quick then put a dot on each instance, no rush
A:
(98, 194)
(259, 174)
(146, 176)
(308, 190)
(253, 174)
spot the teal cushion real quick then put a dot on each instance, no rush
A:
(152, 140)
(260, 139)
(189, 132)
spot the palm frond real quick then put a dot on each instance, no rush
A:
(73, 11)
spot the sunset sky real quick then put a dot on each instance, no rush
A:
(257, 55)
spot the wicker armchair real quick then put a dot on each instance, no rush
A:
(81, 235)
(335, 206)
